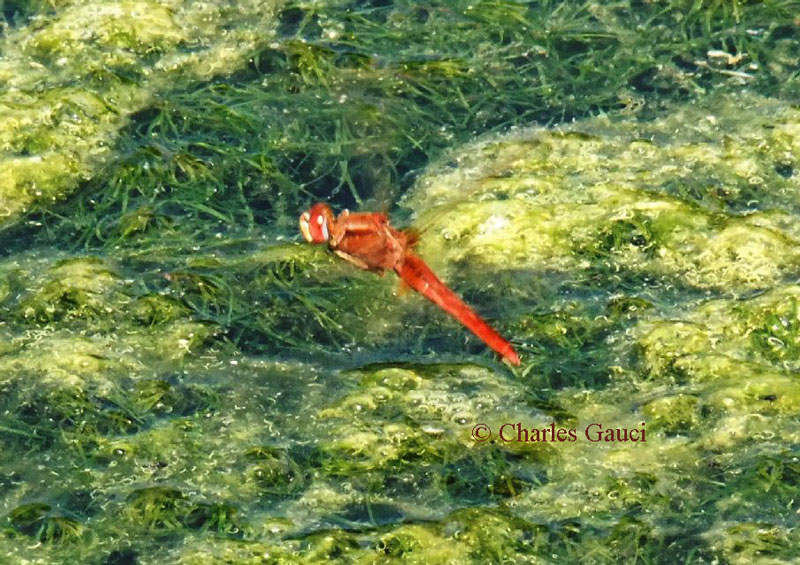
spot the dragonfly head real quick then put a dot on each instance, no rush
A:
(315, 224)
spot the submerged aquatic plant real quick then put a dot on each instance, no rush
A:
(42, 523)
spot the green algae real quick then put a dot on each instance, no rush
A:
(71, 87)
(76, 288)
(673, 414)
(180, 384)
(247, 137)
(562, 191)
(38, 522)
(700, 354)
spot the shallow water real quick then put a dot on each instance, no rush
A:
(614, 186)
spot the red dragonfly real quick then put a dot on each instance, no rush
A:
(368, 241)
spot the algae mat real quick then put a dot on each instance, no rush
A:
(183, 383)
(74, 75)
(649, 299)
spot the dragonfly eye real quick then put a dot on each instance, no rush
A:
(315, 223)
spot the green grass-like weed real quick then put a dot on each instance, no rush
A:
(181, 258)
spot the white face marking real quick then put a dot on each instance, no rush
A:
(326, 236)
(320, 219)
(304, 226)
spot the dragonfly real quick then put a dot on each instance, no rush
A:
(368, 241)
